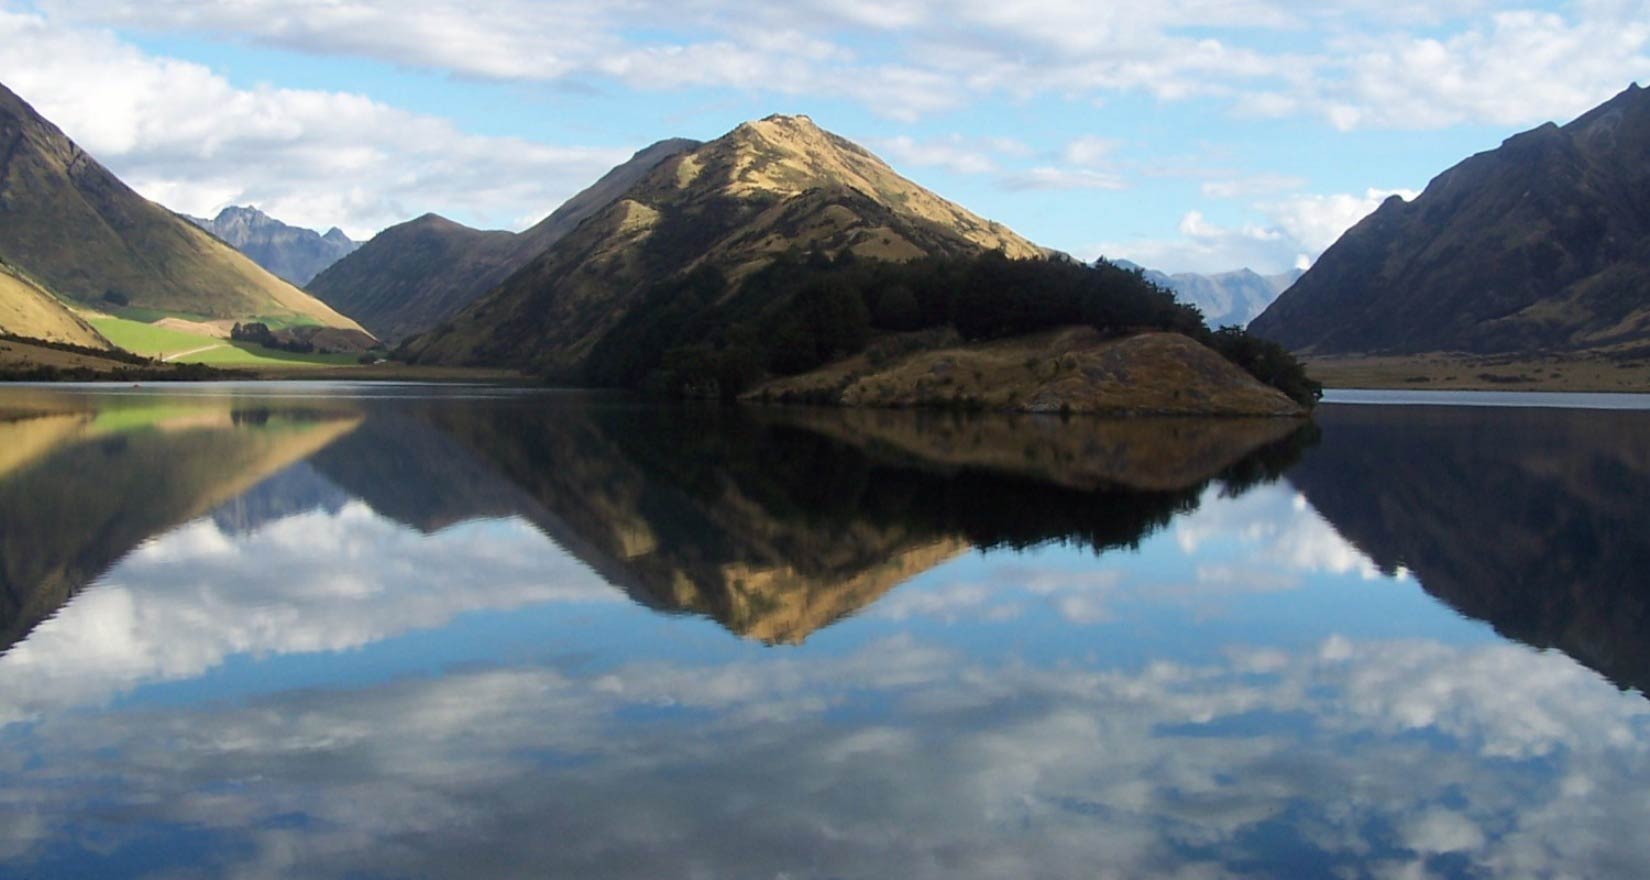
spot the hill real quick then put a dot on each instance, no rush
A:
(1226, 298)
(83, 234)
(292, 253)
(29, 311)
(413, 276)
(729, 207)
(1073, 370)
(1540, 245)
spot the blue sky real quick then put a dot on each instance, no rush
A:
(1187, 135)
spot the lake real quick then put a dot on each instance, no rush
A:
(412, 631)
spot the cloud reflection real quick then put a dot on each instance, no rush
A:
(320, 581)
(1356, 758)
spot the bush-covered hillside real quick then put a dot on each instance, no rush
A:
(699, 334)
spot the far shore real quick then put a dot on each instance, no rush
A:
(1457, 372)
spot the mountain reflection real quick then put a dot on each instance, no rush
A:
(378, 635)
(81, 486)
(1532, 520)
(773, 523)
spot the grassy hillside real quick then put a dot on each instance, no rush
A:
(413, 276)
(172, 345)
(1073, 370)
(86, 236)
(28, 310)
(732, 206)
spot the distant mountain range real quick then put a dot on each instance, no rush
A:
(81, 234)
(290, 252)
(413, 276)
(1226, 299)
(768, 187)
(1542, 245)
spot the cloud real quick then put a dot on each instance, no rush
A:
(183, 136)
(1355, 64)
(1250, 186)
(956, 153)
(1294, 232)
(1051, 178)
(1516, 68)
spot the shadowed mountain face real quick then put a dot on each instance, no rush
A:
(1543, 244)
(1532, 520)
(81, 233)
(413, 276)
(290, 252)
(731, 205)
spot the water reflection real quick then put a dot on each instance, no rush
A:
(364, 636)
(1533, 520)
(775, 524)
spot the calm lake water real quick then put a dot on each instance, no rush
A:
(403, 631)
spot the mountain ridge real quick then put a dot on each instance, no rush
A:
(1539, 245)
(85, 235)
(733, 204)
(289, 252)
(1234, 297)
(416, 274)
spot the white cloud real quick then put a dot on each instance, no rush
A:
(1294, 232)
(183, 136)
(955, 153)
(1355, 64)
(1090, 150)
(1052, 178)
(1516, 68)
(1250, 186)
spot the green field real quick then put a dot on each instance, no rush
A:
(180, 347)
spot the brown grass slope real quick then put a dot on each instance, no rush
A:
(1540, 245)
(74, 226)
(28, 310)
(732, 204)
(413, 276)
(1074, 370)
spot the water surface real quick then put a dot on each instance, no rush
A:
(409, 631)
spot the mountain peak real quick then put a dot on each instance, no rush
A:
(734, 205)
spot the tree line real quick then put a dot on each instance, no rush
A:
(697, 334)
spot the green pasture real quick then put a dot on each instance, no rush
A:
(149, 340)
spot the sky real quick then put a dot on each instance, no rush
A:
(1185, 135)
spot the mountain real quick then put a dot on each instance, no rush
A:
(1540, 245)
(415, 275)
(28, 310)
(290, 252)
(83, 234)
(732, 206)
(1226, 299)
